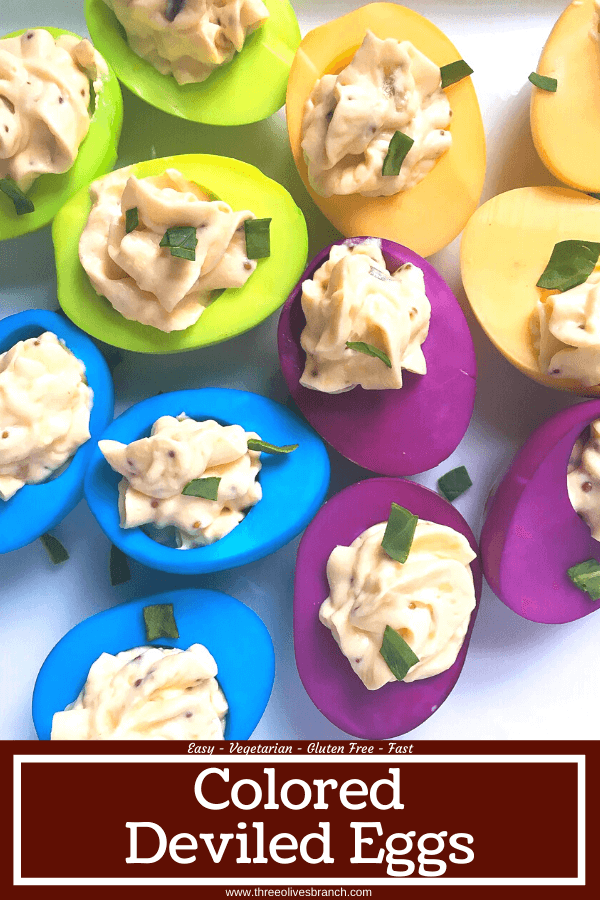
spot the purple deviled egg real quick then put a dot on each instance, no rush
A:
(397, 430)
(332, 680)
(533, 535)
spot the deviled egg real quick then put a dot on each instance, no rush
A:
(539, 552)
(529, 263)
(565, 109)
(371, 343)
(159, 239)
(157, 248)
(56, 397)
(199, 478)
(231, 496)
(403, 623)
(385, 127)
(174, 666)
(222, 62)
(60, 119)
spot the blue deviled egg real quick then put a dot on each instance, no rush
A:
(41, 483)
(143, 495)
(233, 635)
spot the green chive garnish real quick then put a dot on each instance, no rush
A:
(399, 533)
(586, 576)
(132, 219)
(205, 488)
(543, 82)
(571, 263)
(454, 71)
(258, 238)
(173, 9)
(263, 447)
(400, 144)
(397, 654)
(22, 203)
(160, 622)
(119, 567)
(454, 483)
(181, 240)
(369, 350)
(54, 548)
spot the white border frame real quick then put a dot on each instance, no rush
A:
(286, 880)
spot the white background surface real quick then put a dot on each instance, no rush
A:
(521, 680)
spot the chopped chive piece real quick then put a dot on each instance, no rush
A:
(93, 99)
(21, 202)
(264, 447)
(586, 576)
(54, 548)
(258, 238)
(369, 350)
(160, 622)
(397, 654)
(205, 488)
(543, 82)
(454, 71)
(571, 263)
(454, 483)
(400, 144)
(181, 240)
(119, 566)
(173, 9)
(399, 533)
(132, 220)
